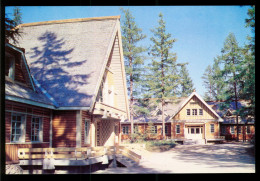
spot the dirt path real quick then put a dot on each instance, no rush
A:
(218, 158)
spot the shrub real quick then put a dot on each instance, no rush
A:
(159, 146)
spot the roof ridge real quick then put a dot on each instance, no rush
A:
(69, 21)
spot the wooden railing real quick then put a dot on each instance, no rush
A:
(75, 153)
(11, 155)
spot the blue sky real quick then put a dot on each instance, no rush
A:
(200, 30)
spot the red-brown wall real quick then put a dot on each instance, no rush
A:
(28, 111)
(64, 129)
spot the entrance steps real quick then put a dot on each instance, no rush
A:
(194, 142)
(126, 161)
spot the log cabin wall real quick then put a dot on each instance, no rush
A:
(142, 127)
(64, 128)
(28, 112)
(231, 133)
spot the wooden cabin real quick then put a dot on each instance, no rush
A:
(246, 126)
(66, 87)
(186, 118)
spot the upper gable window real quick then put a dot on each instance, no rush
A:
(201, 112)
(9, 66)
(188, 112)
(194, 111)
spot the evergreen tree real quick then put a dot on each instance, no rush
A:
(247, 73)
(17, 16)
(11, 32)
(208, 82)
(231, 59)
(214, 82)
(185, 81)
(131, 36)
(160, 78)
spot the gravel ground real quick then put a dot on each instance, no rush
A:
(215, 158)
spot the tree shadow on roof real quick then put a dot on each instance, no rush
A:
(58, 72)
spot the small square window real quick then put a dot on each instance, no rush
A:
(194, 111)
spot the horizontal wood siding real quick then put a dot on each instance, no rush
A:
(64, 128)
(232, 136)
(194, 103)
(142, 127)
(28, 111)
(116, 67)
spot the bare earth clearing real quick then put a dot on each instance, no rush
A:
(215, 158)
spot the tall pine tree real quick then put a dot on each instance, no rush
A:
(247, 73)
(160, 78)
(186, 83)
(231, 59)
(133, 54)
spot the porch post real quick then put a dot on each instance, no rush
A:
(78, 128)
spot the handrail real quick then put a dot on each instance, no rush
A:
(75, 153)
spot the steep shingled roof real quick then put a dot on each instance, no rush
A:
(67, 57)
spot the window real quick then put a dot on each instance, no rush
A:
(155, 129)
(212, 128)
(9, 66)
(239, 129)
(86, 130)
(125, 129)
(136, 130)
(194, 111)
(248, 130)
(232, 129)
(178, 129)
(201, 112)
(17, 128)
(36, 129)
(166, 129)
(188, 112)
(192, 131)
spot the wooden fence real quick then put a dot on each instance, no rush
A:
(11, 154)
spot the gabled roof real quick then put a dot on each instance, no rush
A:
(29, 93)
(68, 57)
(172, 107)
(181, 105)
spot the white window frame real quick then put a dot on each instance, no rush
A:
(188, 112)
(11, 70)
(40, 132)
(194, 112)
(201, 112)
(232, 129)
(178, 129)
(14, 127)
(155, 129)
(212, 128)
(87, 131)
(125, 130)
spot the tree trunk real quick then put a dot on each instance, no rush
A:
(163, 123)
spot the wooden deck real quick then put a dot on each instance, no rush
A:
(51, 157)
